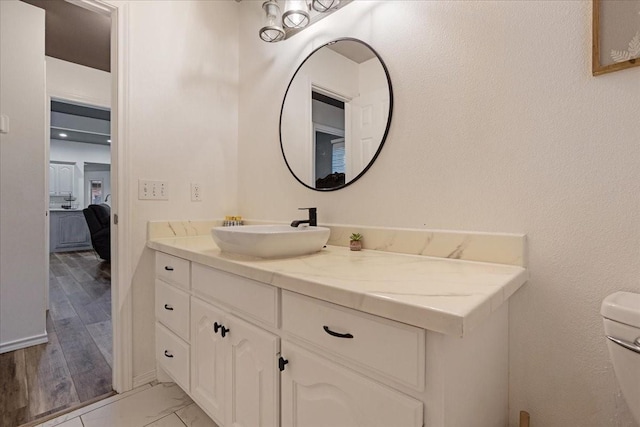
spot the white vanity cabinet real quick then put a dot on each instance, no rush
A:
(253, 354)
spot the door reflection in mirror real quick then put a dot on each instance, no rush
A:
(335, 115)
(328, 120)
(96, 192)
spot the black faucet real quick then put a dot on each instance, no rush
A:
(312, 221)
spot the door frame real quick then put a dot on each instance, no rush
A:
(121, 266)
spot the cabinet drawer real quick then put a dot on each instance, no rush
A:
(172, 269)
(393, 350)
(172, 309)
(253, 299)
(172, 355)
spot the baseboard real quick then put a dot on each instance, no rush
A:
(143, 379)
(24, 342)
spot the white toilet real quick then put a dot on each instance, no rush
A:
(621, 312)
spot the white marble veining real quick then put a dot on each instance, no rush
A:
(141, 409)
(500, 248)
(86, 409)
(193, 416)
(160, 229)
(160, 405)
(442, 295)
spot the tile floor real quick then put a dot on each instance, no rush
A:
(151, 405)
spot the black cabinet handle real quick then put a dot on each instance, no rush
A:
(336, 334)
(220, 327)
(167, 354)
(168, 307)
(168, 268)
(281, 362)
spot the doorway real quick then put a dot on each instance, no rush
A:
(79, 317)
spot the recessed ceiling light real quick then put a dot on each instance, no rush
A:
(63, 135)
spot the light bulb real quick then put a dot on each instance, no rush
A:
(324, 5)
(296, 15)
(272, 31)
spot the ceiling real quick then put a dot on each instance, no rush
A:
(79, 123)
(355, 51)
(75, 34)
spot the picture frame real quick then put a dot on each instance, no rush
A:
(616, 35)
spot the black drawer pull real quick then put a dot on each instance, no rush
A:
(168, 268)
(167, 354)
(168, 307)
(336, 334)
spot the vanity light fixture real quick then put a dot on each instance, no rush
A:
(272, 31)
(298, 15)
(324, 6)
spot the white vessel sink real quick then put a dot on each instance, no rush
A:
(270, 241)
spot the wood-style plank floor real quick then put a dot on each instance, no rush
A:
(75, 365)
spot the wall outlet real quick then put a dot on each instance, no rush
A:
(196, 192)
(153, 190)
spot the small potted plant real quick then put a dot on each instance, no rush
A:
(355, 241)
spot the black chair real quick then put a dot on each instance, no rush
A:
(99, 221)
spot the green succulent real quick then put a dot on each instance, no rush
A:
(355, 237)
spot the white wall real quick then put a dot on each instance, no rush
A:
(183, 108)
(498, 126)
(66, 80)
(79, 153)
(23, 256)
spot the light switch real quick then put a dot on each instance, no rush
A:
(153, 190)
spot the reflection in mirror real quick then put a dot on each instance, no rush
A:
(96, 192)
(335, 115)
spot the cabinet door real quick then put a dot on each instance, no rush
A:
(319, 393)
(252, 375)
(53, 179)
(207, 359)
(65, 179)
(72, 231)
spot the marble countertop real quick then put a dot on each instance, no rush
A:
(442, 295)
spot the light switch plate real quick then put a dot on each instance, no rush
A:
(153, 190)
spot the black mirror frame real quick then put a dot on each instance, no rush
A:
(386, 130)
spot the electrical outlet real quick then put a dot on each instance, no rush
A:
(153, 190)
(196, 192)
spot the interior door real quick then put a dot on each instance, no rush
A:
(23, 197)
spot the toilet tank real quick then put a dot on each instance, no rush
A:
(621, 312)
(622, 307)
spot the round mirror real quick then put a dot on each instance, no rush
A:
(336, 114)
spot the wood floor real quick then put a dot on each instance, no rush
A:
(75, 365)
